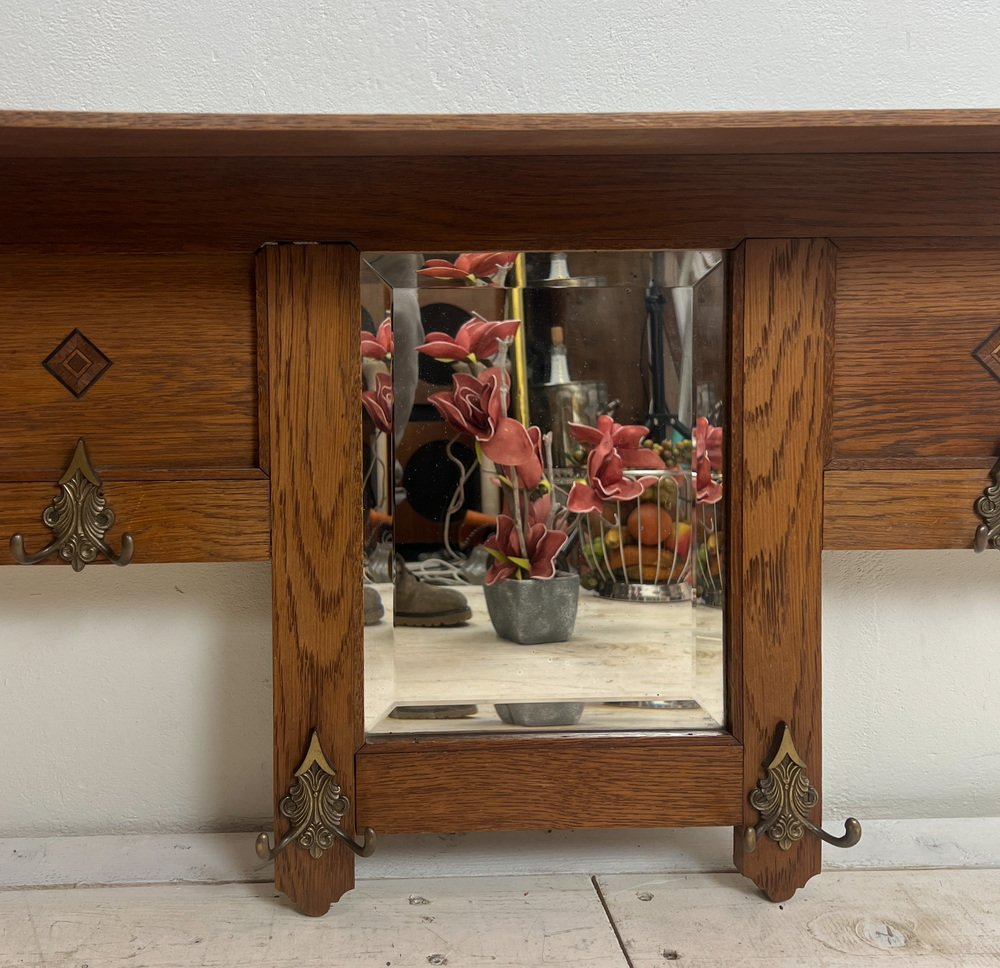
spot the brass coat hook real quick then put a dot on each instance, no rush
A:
(988, 508)
(314, 807)
(784, 798)
(79, 518)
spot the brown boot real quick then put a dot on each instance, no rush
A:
(420, 605)
(374, 610)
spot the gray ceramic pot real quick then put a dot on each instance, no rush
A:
(534, 611)
(540, 713)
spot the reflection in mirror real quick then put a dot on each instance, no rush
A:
(377, 459)
(543, 456)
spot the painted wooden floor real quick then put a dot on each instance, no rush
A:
(844, 919)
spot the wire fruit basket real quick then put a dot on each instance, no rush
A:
(640, 550)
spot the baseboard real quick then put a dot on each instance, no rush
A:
(228, 857)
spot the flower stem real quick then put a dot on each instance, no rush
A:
(501, 364)
(511, 475)
(550, 472)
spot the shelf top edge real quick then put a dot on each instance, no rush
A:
(81, 135)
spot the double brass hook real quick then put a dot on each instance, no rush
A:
(266, 852)
(784, 798)
(988, 508)
(79, 518)
(315, 807)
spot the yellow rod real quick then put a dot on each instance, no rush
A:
(516, 303)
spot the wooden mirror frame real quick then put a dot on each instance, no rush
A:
(787, 194)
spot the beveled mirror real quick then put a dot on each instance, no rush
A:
(543, 491)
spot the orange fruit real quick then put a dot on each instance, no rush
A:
(650, 524)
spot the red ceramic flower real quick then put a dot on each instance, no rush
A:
(511, 559)
(531, 472)
(478, 339)
(379, 346)
(538, 510)
(378, 402)
(469, 267)
(707, 456)
(475, 406)
(708, 442)
(625, 439)
(606, 480)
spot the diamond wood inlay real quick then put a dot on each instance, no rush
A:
(988, 353)
(76, 363)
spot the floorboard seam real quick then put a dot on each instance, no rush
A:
(611, 921)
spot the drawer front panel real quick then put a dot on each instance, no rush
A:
(901, 509)
(169, 521)
(160, 376)
(917, 366)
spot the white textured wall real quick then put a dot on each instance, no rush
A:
(506, 55)
(139, 700)
(134, 699)
(911, 666)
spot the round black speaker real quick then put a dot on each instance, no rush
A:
(430, 479)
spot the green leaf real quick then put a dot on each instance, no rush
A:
(520, 562)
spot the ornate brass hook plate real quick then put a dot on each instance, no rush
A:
(784, 798)
(315, 806)
(988, 508)
(79, 518)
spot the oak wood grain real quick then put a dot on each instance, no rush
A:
(170, 521)
(263, 376)
(785, 310)
(906, 383)
(901, 509)
(313, 313)
(151, 474)
(734, 476)
(548, 202)
(557, 783)
(852, 246)
(37, 134)
(875, 464)
(180, 332)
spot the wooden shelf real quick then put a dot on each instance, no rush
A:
(59, 134)
(855, 388)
